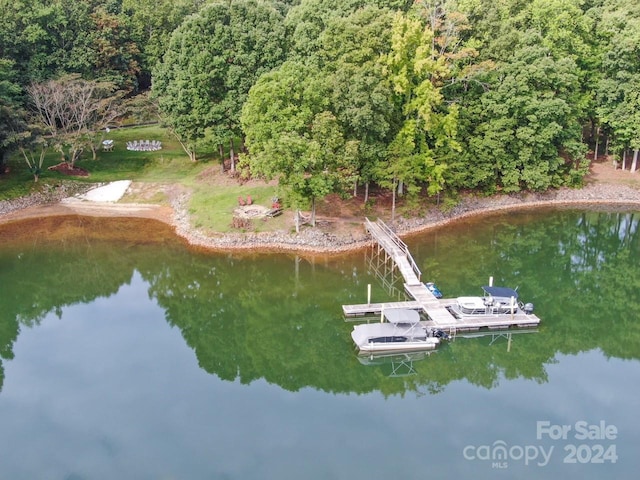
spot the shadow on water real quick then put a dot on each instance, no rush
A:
(277, 316)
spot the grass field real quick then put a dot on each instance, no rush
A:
(212, 202)
(169, 164)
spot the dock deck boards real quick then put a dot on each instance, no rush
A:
(437, 314)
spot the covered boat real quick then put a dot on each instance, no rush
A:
(495, 301)
(401, 332)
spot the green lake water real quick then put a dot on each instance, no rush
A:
(147, 360)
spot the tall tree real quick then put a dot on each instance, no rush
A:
(522, 121)
(115, 56)
(151, 25)
(212, 61)
(361, 98)
(50, 38)
(619, 88)
(417, 65)
(307, 21)
(11, 112)
(292, 136)
(527, 128)
(72, 112)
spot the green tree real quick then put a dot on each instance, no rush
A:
(361, 98)
(212, 61)
(71, 112)
(307, 21)
(50, 38)
(527, 128)
(115, 56)
(417, 65)
(522, 120)
(150, 25)
(618, 92)
(291, 136)
(11, 112)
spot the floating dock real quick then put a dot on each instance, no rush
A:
(435, 310)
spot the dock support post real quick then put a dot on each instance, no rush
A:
(513, 304)
(369, 294)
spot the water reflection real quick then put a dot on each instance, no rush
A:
(127, 358)
(277, 317)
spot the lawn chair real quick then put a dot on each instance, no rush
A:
(274, 212)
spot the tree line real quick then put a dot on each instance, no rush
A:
(333, 95)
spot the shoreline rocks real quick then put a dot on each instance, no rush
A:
(314, 240)
(47, 196)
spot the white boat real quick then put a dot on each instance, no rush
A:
(495, 301)
(402, 332)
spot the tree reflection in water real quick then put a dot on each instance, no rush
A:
(278, 317)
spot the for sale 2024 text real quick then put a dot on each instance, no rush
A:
(582, 431)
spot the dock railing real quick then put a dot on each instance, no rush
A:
(379, 229)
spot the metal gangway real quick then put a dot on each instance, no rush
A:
(390, 245)
(396, 249)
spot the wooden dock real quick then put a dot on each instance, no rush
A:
(396, 249)
(437, 314)
(371, 309)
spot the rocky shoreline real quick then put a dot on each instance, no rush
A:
(315, 240)
(48, 196)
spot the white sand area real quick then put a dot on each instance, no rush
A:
(111, 192)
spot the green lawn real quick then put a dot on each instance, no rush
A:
(211, 205)
(212, 208)
(168, 164)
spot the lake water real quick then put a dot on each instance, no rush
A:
(128, 358)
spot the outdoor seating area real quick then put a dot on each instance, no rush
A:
(242, 202)
(144, 145)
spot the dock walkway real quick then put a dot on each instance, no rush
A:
(396, 249)
(438, 316)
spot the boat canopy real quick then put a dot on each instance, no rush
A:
(505, 292)
(402, 315)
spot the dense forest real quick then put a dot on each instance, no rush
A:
(331, 95)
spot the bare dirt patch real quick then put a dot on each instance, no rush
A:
(603, 170)
(66, 168)
(214, 176)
